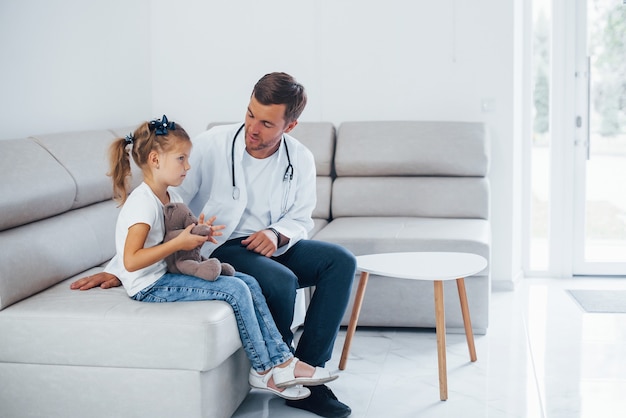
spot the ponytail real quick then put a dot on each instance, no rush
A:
(119, 168)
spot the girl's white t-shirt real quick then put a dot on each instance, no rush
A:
(142, 206)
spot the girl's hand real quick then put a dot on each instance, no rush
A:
(214, 228)
(188, 241)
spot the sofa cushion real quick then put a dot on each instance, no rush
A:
(106, 328)
(440, 197)
(318, 225)
(40, 254)
(34, 186)
(89, 174)
(412, 148)
(324, 186)
(319, 138)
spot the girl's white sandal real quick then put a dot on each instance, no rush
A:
(285, 376)
(260, 381)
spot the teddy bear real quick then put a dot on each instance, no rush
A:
(177, 217)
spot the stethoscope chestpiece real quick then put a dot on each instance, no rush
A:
(288, 172)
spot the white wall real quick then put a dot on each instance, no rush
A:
(103, 64)
(358, 59)
(72, 65)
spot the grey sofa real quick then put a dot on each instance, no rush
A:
(382, 186)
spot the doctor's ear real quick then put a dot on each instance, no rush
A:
(290, 126)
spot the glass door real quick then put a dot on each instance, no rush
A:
(600, 174)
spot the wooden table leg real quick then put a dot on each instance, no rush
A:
(467, 322)
(356, 310)
(440, 326)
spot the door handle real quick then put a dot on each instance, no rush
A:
(579, 119)
(588, 142)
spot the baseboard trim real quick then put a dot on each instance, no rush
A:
(507, 285)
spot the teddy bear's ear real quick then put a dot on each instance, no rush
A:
(168, 209)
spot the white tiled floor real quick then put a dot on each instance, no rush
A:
(543, 356)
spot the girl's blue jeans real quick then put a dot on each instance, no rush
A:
(260, 338)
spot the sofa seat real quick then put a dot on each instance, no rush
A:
(186, 336)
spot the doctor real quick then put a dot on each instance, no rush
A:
(260, 182)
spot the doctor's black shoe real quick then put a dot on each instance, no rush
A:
(322, 402)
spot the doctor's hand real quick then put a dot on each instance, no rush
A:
(214, 228)
(263, 242)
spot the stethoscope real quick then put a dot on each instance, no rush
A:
(288, 176)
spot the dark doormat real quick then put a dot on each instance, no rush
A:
(600, 301)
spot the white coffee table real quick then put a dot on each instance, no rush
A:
(433, 266)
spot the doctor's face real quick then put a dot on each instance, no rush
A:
(265, 125)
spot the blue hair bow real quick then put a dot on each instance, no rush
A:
(129, 139)
(161, 126)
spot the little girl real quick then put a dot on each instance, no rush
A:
(161, 149)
